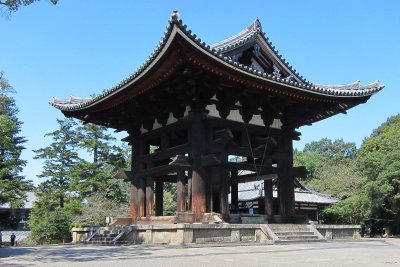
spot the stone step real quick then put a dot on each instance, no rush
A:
(298, 237)
(107, 235)
(298, 241)
(289, 228)
(103, 237)
(107, 239)
(106, 243)
(285, 233)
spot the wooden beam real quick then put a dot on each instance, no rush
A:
(253, 177)
(123, 175)
(210, 160)
(300, 172)
(168, 153)
(160, 170)
(250, 167)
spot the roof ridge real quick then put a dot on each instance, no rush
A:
(249, 31)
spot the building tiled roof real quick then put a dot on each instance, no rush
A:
(177, 27)
(253, 190)
(30, 199)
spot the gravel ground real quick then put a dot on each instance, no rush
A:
(369, 252)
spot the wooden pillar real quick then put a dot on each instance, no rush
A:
(224, 189)
(285, 177)
(159, 197)
(268, 198)
(180, 192)
(134, 182)
(189, 193)
(209, 190)
(149, 196)
(198, 174)
(268, 193)
(133, 199)
(223, 194)
(234, 192)
(141, 198)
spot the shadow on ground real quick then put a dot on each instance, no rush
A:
(49, 254)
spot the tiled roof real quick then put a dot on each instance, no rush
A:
(251, 33)
(176, 26)
(30, 199)
(253, 190)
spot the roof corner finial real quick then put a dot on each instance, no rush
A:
(257, 25)
(175, 15)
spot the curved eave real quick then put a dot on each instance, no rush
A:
(177, 28)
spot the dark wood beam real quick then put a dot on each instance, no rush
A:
(252, 178)
(161, 170)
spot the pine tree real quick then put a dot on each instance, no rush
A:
(95, 175)
(13, 186)
(60, 158)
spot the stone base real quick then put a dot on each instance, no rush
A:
(196, 233)
(188, 217)
(339, 232)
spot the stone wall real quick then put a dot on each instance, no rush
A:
(80, 234)
(195, 233)
(339, 232)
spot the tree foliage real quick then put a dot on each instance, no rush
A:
(336, 150)
(169, 199)
(93, 176)
(60, 159)
(379, 159)
(53, 227)
(78, 167)
(13, 186)
(99, 206)
(333, 170)
(14, 5)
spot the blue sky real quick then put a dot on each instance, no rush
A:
(82, 47)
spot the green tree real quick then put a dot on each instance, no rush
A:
(169, 199)
(53, 227)
(13, 186)
(60, 159)
(99, 206)
(14, 5)
(333, 170)
(379, 159)
(336, 150)
(310, 160)
(95, 175)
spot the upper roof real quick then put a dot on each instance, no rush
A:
(254, 34)
(268, 68)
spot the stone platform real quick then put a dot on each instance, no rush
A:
(197, 233)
